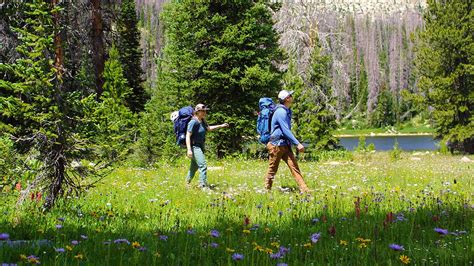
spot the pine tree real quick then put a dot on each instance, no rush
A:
(315, 120)
(60, 127)
(384, 113)
(114, 120)
(446, 69)
(220, 53)
(292, 81)
(131, 54)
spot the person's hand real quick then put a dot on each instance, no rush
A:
(190, 154)
(300, 147)
(225, 125)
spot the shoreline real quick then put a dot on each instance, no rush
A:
(383, 135)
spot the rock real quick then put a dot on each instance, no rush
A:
(465, 159)
(333, 163)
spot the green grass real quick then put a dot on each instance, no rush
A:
(394, 130)
(148, 206)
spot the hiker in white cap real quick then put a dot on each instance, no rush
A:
(195, 138)
(281, 139)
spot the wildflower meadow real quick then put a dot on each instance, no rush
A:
(369, 210)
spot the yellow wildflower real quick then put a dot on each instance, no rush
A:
(79, 256)
(136, 244)
(68, 247)
(404, 259)
(230, 250)
(157, 254)
(23, 257)
(269, 251)
(275, 244)
(259, 248)
(33, 260)
(343, 243)
(362, 245)
(246, 231)
(307, 245)
(267, 230)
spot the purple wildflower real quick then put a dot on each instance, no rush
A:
(255, 227)
(163, 237)
(315, 220)
(106, 242)
(191, 232)
(276, 256)
(237, 256)
(122, 240)
(75, 242)
(59, 226)
(441, 231)
(282, 264)
(60, 250)
(215, 233)
(9, 264)
(396, 247)
(400, 217)
(84, 237)
(142, 249)
(315, 237)
(283, 250)
(214, 245)
(4, 236)
(61, 219)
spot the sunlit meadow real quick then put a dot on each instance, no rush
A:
(371, 210)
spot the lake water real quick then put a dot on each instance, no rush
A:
(385, 143)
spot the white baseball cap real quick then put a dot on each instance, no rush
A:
(200, 107)
(284, 94)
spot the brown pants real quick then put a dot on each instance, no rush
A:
(276, 153)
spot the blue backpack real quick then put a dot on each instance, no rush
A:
(181, 124)
(264, 120)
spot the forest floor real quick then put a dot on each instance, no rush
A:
(421, 203)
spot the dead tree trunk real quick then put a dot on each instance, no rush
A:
(58, 176)
(98, 47)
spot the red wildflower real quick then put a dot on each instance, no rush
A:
(357, 207)
(246, 220)
(332, 230)
(388, 219)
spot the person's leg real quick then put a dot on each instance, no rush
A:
(274, 157)
(290, 159)
(198, 154)
(193, 167)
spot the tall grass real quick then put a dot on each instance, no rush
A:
(359, 208)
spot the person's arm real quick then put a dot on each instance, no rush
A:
(211, 128)
(188, 144)
(280, 117)
(189, 133)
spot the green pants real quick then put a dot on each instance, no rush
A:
(198, 162)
